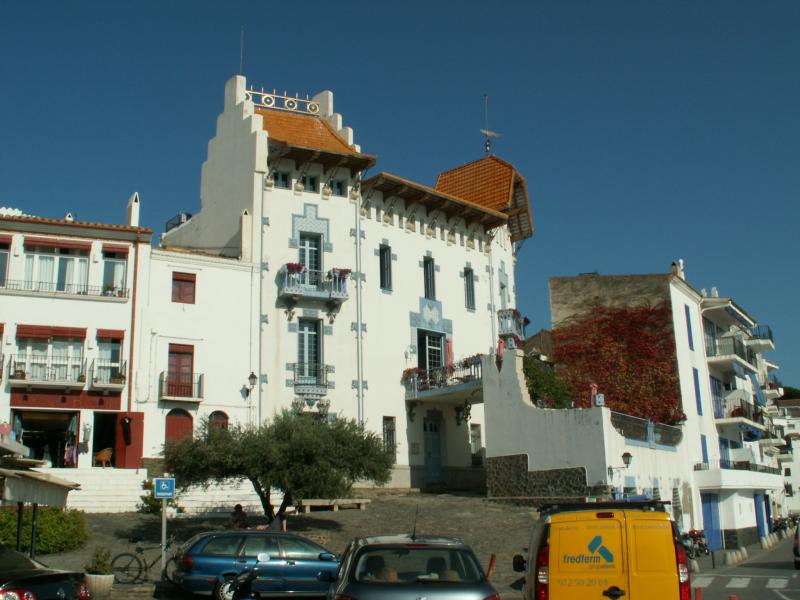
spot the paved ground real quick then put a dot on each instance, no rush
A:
(489, 527)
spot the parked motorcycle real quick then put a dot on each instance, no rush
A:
(700, 542)
(240, 587)
(688, 545)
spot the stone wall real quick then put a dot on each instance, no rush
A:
(509, 477)
(736, 538)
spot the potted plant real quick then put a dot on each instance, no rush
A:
(99, 575)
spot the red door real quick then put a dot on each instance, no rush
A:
(179, 374)
(179, 425)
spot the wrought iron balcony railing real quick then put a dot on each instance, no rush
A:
(739, 465)
(466, 370)
(510, 323)
(313, 284)
(108, 373)
(74, 289)
(181, 385)
(643, 430)
(310, 374)
(730, 346)
(47, 370)
(762, 332)
(739, 408)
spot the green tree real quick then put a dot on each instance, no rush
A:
(790, 392)
(302, 456)
(544, 386)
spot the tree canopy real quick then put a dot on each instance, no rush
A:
(302, 456)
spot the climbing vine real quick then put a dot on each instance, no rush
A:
(629, 352)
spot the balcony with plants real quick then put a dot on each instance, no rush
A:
(296, 282)
(180, 387)
(108, 375)
(724, 352)
(452, 383)
(47, 371)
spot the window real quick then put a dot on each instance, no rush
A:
(310, 256)
(300, 549)
(689, 326)
(430, 350)
(429, 269)
(475, 444)
(389, 437)
(787, 472)
(338, 187)
(282, 179)
(219, 420)
(710, 335)
(180, 378)
(49, 358)
(309, 370)
(385, 256)
(183, 287)
(256, 544)
(4, 247)
(469, 289)
(114, 264)
(704, 448)
(697, 397)
(503, 296)
(108, 366)
(225, 545)
(56, 269)
(309, 183)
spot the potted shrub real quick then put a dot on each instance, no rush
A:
(99, 575)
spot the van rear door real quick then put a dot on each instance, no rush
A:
(587, 560)
(651, 557)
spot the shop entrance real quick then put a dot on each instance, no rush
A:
(105, 427)
(52, 436)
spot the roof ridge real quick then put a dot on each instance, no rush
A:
(477, 160)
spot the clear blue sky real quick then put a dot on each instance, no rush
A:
(647, 131)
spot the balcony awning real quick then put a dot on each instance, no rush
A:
(762, 400)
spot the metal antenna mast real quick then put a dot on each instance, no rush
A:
(488, 134)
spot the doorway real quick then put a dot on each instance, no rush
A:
(105, 429)
(51, 436)
(432, 428)
(179, 425)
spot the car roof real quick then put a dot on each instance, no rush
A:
(407, 538)
(643, 505)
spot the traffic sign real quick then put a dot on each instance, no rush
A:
(164, 487)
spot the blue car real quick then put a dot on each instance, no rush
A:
(294, 567)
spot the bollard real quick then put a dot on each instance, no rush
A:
(745, 555)
(698, 593)
(764, 543)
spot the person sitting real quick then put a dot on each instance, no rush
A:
(238, 518)
(372, 567)
(387, 574)
(450, 575)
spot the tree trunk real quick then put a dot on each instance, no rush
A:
(264, 497)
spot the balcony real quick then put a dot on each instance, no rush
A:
(773, 436)
(785, 454)
(644, 431)
(39, 288)
(733, 474)
(295, 282)
(453, 384)
(310, 379)
(724, 352)
(180, 387)
(108, 376)
(52, 372)
(510, 327)
(761, 339)
(740, 415)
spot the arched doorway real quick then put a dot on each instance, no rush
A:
(179, 425)
(218, 420)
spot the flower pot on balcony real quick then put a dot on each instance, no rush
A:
(19, 374)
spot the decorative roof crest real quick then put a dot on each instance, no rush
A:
(277, 101)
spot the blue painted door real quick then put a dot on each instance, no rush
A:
(432, 425)
(760, 523)
(711, 523)
(768, 510)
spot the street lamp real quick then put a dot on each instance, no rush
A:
(627, 457)
(252, 381)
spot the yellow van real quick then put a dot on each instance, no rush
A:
(602, 550)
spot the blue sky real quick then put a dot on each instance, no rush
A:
(647, 131)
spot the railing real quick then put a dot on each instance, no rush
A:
(510, 322)
(331, 284)
(47, 368)
(75, 289)
(761, 332)
(643, 430)
(730, 346)
(741, 465)
(310, 374)
(109, 372)
(181, 385)
(466, 370)
(743, 409)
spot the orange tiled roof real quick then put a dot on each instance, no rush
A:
(492, 183)
(305, 131)
(77, 224)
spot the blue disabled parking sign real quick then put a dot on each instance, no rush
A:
(164, 487)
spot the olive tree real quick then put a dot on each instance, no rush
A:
(303, 456)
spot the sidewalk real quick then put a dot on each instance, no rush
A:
(715, 562)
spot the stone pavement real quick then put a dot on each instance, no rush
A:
(489, 527)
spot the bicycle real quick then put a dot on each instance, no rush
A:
(132, 567)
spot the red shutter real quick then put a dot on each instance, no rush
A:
(44, 332)
(116, 248)
(69, 332)
(1, 329)
(178, 425)
(34, 242)
(184, 276)
(183, 285)
(5, 239)
(110, 334)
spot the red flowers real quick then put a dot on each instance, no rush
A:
(295, 267)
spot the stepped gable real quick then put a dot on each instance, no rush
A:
(495, 184)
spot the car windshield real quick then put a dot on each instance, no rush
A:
(11, 560)
(416, 563)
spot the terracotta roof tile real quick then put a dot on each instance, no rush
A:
(305, 131)
(77, 224)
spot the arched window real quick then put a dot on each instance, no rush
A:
(218, 419)
(179, 425)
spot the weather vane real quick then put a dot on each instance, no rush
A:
(488, 134)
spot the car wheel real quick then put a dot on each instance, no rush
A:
(224, 589)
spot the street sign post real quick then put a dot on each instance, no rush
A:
(164, 488)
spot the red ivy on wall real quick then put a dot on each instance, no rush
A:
(629, 353)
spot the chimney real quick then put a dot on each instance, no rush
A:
(133, 210)
(714, 292)
(69, 218)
